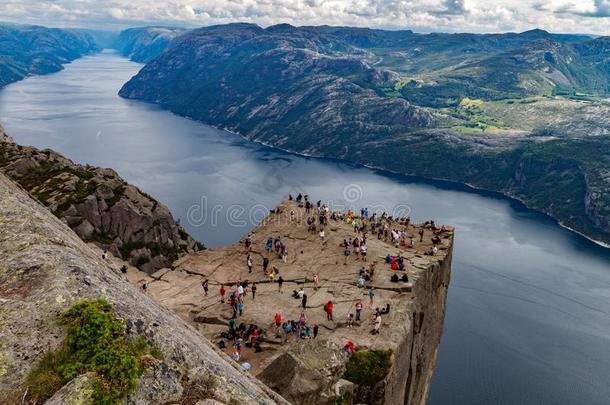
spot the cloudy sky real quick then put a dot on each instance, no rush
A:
(577, 16)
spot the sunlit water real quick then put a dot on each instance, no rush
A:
(528, 317)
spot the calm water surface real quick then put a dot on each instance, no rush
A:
(528, 318)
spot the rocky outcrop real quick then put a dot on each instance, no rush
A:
(99, 206)
(46, 268)
(312, 371)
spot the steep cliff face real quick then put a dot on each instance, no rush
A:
(99, 206)
(46, 268)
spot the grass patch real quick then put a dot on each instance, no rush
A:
(96, 342)
(367, 368)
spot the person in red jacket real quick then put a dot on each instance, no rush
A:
(328, 308)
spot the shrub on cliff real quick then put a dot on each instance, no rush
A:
(368, 367)
(95, 342)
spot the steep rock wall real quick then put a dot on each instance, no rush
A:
(46, 268)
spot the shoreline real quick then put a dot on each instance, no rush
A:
(467, 186)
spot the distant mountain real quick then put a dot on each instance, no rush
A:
(145, 43)
(495, 111)
(542, 67)
(28, 49)
(269, 84)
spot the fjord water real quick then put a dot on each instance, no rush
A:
(528, 316)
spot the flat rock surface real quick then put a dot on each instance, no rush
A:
(181, 289)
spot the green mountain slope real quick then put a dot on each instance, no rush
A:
(27, 50)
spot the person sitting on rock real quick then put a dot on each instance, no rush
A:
(253, 336)
(394, 278)
(405, 278)
(349, 348)
(350, 320)
(361, 282)
(377, 324)
(385, 310)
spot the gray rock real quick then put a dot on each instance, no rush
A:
(46, 268)
(79, 391)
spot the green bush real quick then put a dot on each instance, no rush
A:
(95, 342)
(368, 367)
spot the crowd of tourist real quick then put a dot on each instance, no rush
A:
(392, 230)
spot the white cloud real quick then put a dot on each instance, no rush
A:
(579, 16)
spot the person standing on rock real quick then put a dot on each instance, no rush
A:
(316, 280)
(205, 286)
(248, 242)
(280, 282)
(315, 330)
(328, 308)
(421, 235)
(223, 291)
(277, 319)
(265, 264)
(304, 301)
(249, 263)
(254, 290)
(371, 294)
(269, 244)
(358, 310)
(346, 253)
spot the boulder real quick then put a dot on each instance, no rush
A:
(79, 391)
